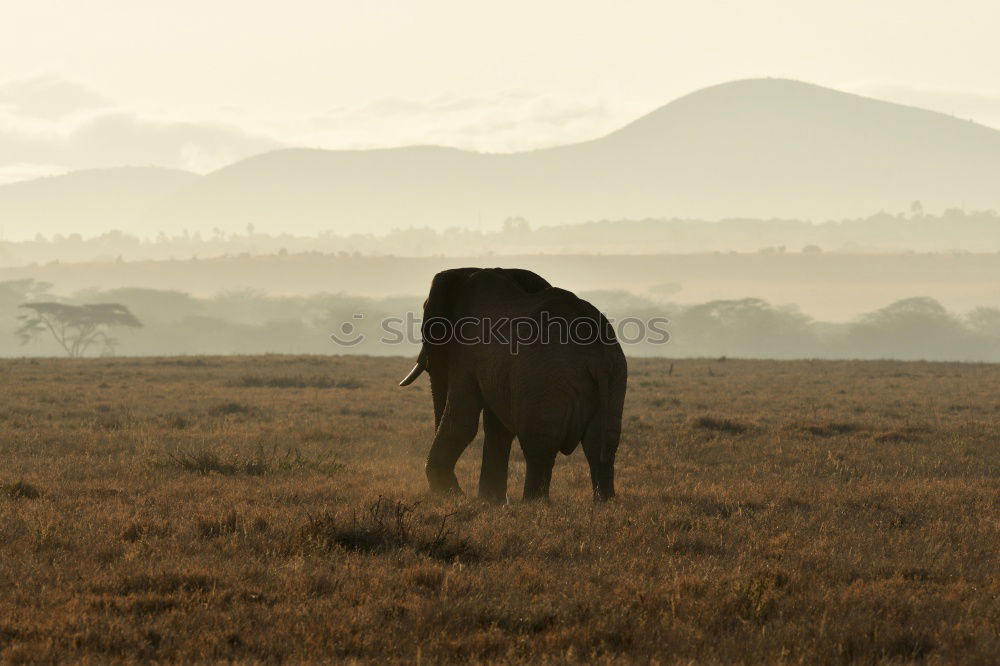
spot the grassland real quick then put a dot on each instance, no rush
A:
(274, 509)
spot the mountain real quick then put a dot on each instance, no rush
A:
(755, 148)
(94, 200)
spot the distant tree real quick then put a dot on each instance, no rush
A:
(985, 321)
(917, 311)
(15, 292)
(748, 327)
(76, 327)
(12, 294)
(910, 329)
(516, 225)
(985, 325)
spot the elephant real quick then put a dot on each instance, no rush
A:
(485, 352)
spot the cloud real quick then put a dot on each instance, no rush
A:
(504, 122)
(48, 125)
(119, 139)
(983, 108)
(48, 97)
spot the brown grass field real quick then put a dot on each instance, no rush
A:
(265, 509)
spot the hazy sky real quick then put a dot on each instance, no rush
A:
(196, 84)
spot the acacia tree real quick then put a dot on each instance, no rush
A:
(76, 327)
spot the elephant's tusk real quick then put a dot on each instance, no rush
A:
(416, 372)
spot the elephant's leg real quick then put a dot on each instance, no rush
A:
(458, 427)
(602, 473)
(496, 458)
(539, 457)
(602, 478)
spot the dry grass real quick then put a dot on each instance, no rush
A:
(299, 381)
(805, 512)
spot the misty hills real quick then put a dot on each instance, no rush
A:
(756, 148)
(93, 200)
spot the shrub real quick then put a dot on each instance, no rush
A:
(229, 408)
(728, 426)
(385, 525)
(20, 490)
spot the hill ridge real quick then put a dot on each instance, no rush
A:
(750, 148)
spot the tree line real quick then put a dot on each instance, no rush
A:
(148, 322)
(916, 230)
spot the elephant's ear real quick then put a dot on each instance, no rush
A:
(440, 304)
(436, 330)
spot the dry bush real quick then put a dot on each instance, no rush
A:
(724, 425)
(20, 490)
(831, 429)
(230, 408)
(386, 525)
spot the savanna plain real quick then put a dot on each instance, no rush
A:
(274, 508)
